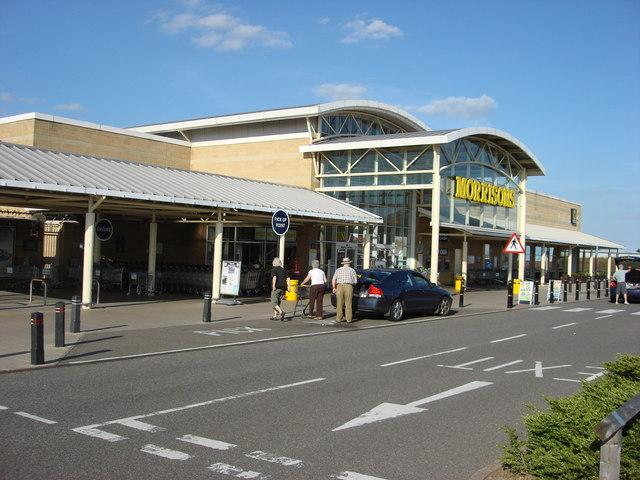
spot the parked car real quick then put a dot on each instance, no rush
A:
(631, 263)
(395, 293)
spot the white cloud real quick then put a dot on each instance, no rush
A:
(324, 20)
(376, 29)
(68, 107)
(220, 31)
(6, 97)
(10, 97)
(460, 107)
(340, 91)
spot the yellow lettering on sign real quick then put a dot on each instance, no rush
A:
(483, 192)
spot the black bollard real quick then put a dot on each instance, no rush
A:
(59, 341)
(462, 289)
(564, 292)
(510, 294)
(76, 305)
(577, 290)
(598, 287)
(37, 339)
(606, 288)
(570, 283)
(551, 296)
(206, 311)
(589, 289)
(536, 293)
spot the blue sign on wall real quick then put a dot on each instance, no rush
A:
(280, 222)
(104, 229)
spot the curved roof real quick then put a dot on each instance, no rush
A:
(515, 147)
(383, 110)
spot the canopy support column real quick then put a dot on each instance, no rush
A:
(435, 215)
(217, 258)
(570, 262)
(543, 265)
(151, 265)
(281, 243)
(609, 265)
(87, 261)
(591, 263)
(97, 245)
(366, 253)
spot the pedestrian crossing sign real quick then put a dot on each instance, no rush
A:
(513, 245)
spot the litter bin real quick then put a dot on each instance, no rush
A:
(516, 286)
(292, 293)
(458, 283)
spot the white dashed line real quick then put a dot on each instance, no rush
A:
(610, 310)
(35, 417)
(3, 407)
(567, 380)
(565, 325)
(592, 376)
(165, 452)
(463, 366)
(207, 442)
(423, 356)
(635, 313)
(502, 366)
(232, 471)
(92, 431)
(538, 369)
(542, 309)
(272, 458)
(508, 338)
(577, 310)
(604, 316)
(146, 427)
(354, 476)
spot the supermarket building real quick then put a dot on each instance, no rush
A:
(360, 179)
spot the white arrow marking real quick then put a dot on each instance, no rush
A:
(385, 411)
(165, 452)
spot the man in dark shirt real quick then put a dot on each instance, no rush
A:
(279, 283)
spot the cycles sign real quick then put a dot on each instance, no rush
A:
(104, 229)
(280, 222)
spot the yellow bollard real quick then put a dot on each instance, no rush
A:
(292, 293)
(516, 286)
(458, 283)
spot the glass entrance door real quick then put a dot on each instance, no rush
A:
(336, 251)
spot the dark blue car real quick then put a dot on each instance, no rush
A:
(395, 293)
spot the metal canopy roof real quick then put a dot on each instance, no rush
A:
(47, 179)
(515, 147)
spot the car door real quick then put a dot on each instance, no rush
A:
(406, 290)
(425, 294)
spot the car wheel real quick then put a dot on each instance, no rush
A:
(444, 307)
(396, 312)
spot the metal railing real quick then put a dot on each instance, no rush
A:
(609, 431)
(31, 289)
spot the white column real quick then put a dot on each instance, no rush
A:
(591, 263)
(366, 254)
(609, 265)
(413, 220)
(570, 262)
(543, 265)
(97, 245)
(465, 255)
(281, 248)
(151, 264)
(87, 264)
(435, 215)
(522, 221)
(217, 258)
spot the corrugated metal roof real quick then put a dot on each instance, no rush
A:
(44, 170)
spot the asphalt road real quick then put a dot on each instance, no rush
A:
(413, 401)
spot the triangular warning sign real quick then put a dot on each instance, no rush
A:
(513, 245)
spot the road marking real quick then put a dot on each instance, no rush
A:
(503, 365)
(165, 452)
(354, 476)
(35, 417)
(463, 366)
(541, 309)
(538, 369)
(592, 376)
(93, 431)
(227, 469)
(231, 331)
(604, 316)
(576, 310)
(567, 380)
(206, 442)
(2, 407)
(635, 313)
(610, 310)
(385, 411)
(508, 338)
(423, 356)
(565, 325)
(272, 458)
(130, 422)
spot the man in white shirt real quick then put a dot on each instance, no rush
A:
(621, 289)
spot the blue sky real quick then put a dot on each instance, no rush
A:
(561, 76)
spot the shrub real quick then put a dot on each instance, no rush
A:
(561, 443)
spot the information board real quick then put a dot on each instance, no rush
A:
(526, 292)
(557, 290)
(230, 281)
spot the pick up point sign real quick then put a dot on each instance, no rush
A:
(280, 222)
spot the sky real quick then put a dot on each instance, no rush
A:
(562, 76)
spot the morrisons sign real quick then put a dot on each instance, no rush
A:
(483, 192)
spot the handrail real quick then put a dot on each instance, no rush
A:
(31, 289)
(95, 280)
(609, 431)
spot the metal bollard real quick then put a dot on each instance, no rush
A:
(570, 284)
(536, 293)
(564, 292)
(206, 311)
(462, 289)
(589, 289)
(76, 305)
(577, 290)
(606, 288)
(37, 339)
(59, 341)
(551, 296)
(510, 294)
(598, 287)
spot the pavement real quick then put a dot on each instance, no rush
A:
(132, 327)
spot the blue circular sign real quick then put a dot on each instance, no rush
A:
(104, 229)
(280, 222)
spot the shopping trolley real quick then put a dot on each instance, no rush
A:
(303, 296)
